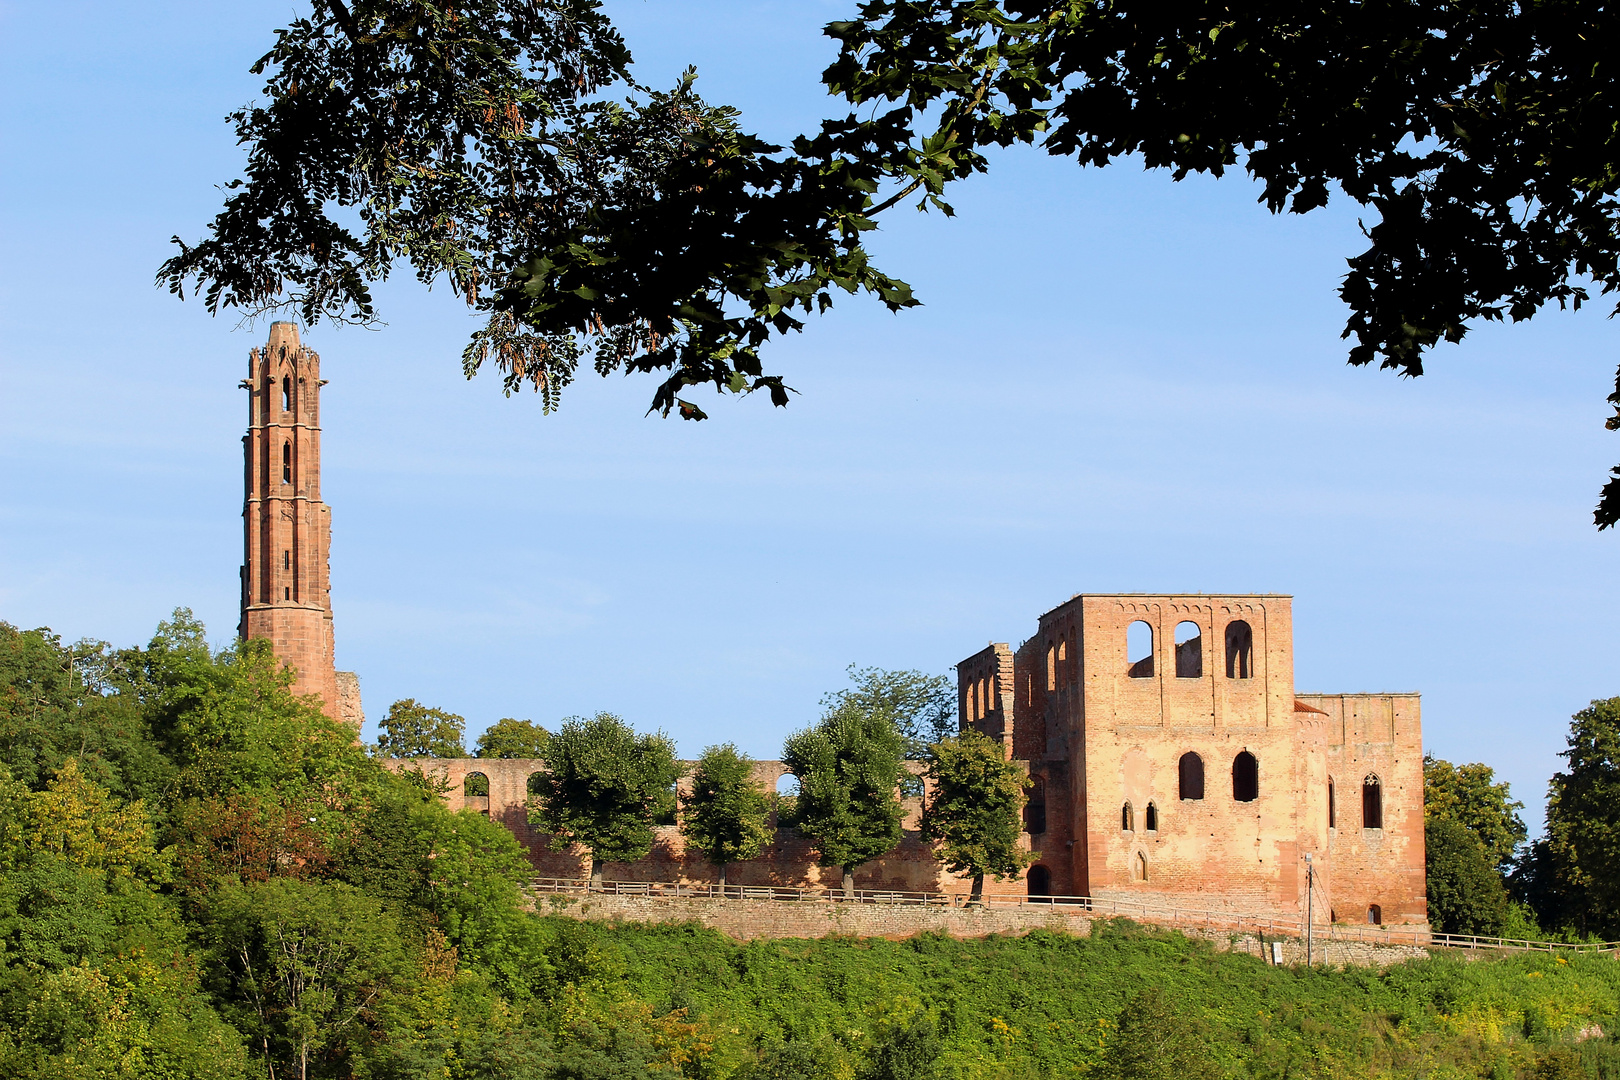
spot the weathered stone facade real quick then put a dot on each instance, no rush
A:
(287, 529)
(1190, 768)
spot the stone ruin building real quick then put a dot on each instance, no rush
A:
(1172, 761)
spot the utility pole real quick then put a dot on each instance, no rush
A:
(1310, 890)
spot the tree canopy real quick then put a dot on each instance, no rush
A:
(479, 144)
(414, 730)
(1472, 796)
(974, 813)
(725, 813)
(509, 738)
(921, 707)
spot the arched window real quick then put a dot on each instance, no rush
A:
(1245, 777)
(1372, 803)
(1051, 667)
(286, 393)
(1035, 808)
(1189, 651)
(1063, 662)
(286, 462)
(1332, 808)
(1127, 820)
(1139, 650)
(1192, 776)
(787, 785)
(1139, 868)
(475, 784)
(1239, 650)
(1152, 818)
(1039, 881)
(1375, 915)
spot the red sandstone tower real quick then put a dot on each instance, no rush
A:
(287, 530)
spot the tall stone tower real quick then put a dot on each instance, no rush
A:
(287, 529)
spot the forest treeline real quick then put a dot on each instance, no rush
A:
(203, 876)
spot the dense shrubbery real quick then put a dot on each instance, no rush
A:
(202, 876)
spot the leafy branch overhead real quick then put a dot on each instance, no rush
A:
(480, 144)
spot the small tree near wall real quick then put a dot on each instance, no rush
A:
(725, 815)
(414, 730)
(849, 769)
(973, 815)
(603, 788)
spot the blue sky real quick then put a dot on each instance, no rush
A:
(1117, 383)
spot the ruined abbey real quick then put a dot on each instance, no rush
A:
(1171, 758)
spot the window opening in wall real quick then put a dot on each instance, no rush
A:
(1039, 881)
(1372, 803)
(1239, 650)
(1127, 820)
(1063, 662)
(286, 394)
(1141, 866)
(475, 784)
(286, 560)
(286, 462)
(1035, 808)
(1051, 667)
(1192, 776)
(1189, 651)
(1332, 809)
(1152, 818)
(1139, 650)
(1245, 777)
(1375, 915)
(286, 592)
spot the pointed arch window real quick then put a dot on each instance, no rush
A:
(286, 393)
(1139, 869)
(1191, 770)
(1245, 777)
(1127, 819)
(286, 462)
(1372, 803)
(1239, 650)
(1151, 818)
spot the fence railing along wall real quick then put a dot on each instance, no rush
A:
(1081, 907)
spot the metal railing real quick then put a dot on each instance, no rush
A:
(1172, 915)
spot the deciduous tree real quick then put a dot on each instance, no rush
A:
(1572, 876)
(1472, 796)
(974, 812)
(1466, 894)
(509, 738)
(724, 816)
(603, 788)
(849, 768)
(922, 707)
(413, 730)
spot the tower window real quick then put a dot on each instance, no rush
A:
(286, 462)
(286, 592)
(1245, 777)
(1063, 662)
(1127, 820)
(1239, 650)
(1332, 809)
(1051, 667)
(1372, 803)
(286, 394)
(1035, 808)
(1152, 818)
(1139, 650)
(286, 560)
(1192, 776)
(1189, 651)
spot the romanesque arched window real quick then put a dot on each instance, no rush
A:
(1139, 650)
(475, 784)
(1151, 818)
(1239, 650)
(1191, 776)
(1127, 819)
(1189, 651)
(1245, 777)
(1372, 803)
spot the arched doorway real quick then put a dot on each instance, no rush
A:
(1039, 881)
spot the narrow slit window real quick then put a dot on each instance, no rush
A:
(1192, 776)
(286, 559)
(1051, 667)
(286, 394)
(1152, 818)
(286, 592)
(286, 462)
(1239, 650)
(1245, 777)
(1127, 820)
(1063, 662)
(1332, 809)
(1189, 651)
(1139, 650)
(1372, 803)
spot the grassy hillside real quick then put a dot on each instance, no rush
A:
(1049, 1005)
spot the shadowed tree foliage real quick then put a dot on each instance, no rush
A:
(724, 816)
(510, 738)
(1155, 1039)
(974, 814)
(411, 730)
(1466, 894)
(849, 772)
(603, 788)
(1473, 797)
